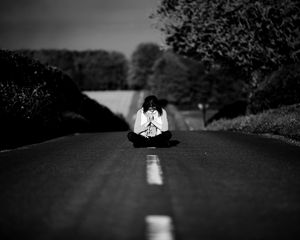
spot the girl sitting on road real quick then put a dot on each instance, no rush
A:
(151, 125)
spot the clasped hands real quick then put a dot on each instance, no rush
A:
(150, 117)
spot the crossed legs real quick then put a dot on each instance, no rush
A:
(161, 140)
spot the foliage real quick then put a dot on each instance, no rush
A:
(183, 81)
(39, 102)
(221, 86)
(142, 61)
(91, 70)
(257, 35)
(280, 88)
(28, 102)
(197, 87)
(170, 79)
(103, 70)
(100, 117)
(230, 111)
(284, 121)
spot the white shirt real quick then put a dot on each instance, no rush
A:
(143, 127)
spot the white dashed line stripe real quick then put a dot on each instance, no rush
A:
(159, 227)
(154, 172)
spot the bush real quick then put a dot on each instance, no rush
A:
(39, 102)
(28, 102)
(230, 111)
(100, 117)
(284, 121)
(280, 88)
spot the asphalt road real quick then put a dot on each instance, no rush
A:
(93, 186)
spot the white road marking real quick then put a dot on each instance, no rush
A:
(159, 227)
(154, 172)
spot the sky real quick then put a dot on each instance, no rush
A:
(77, 24)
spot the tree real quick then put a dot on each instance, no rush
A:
(225, 86)
(119, 69)
(142, 61)
(170, 79)
(256, 35)
(91, 70)
(196, 73)
(281, 88)
(103, 70)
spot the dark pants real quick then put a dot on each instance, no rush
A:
(161, 140)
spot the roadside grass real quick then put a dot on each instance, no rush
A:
(284, 121)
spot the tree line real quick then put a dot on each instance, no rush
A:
(39, 102)
(90, 70)
(182, 80)
(254, 43)
(215, 52)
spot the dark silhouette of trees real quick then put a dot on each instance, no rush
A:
(141, 64)
(38, 102)
(91, 70)
(170, 79)
(258, 36)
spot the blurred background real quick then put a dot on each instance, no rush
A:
(85, 65)
(76, 25)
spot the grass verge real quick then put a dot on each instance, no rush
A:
(284, 121)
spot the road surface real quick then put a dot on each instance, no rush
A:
(211, 185)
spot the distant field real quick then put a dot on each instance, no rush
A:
(120, 102)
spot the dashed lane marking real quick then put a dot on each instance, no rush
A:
(154, 172)
(159, 227)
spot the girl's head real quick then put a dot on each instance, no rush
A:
(152, 103)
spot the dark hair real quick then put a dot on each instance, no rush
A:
(152, 101)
